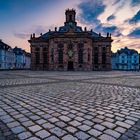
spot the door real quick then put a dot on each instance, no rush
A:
(70, 65)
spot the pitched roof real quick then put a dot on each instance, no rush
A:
(127, 51)
(4, 46)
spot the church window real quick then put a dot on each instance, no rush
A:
(52, 54)
(60, 53)
(88, 54)
(45, 55)
(80, 53)
(103, 58)
(37, 56)
(96, 58)
(70, 17)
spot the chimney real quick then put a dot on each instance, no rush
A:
(55, 29)
(33, 35)
(107, 34)
(85, 29)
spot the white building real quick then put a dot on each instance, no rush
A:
(27, 60)
(13, 58)
(125, 59)
(7, 56)
(22, 59)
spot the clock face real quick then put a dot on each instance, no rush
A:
(70, 24)
(70, 53)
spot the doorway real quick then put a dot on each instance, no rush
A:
(70, 66)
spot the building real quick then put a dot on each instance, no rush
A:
(27, 60)
(7, 56)
(13, 58)
(70, 48)
(125, 59)
(22, 59)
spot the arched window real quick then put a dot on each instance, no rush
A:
(52, 55)
(103, 55)
(96, 58)
(88, 54)
(80, 53)
(60, 53)
(70, 17)
(37, 56)
(45, 55)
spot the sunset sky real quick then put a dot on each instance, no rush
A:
(20, 18)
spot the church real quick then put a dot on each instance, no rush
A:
(70, 48)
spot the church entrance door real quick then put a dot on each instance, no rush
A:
(70, 66)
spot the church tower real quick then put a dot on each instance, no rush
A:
(70, 17)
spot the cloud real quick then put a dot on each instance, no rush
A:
(135, 33)
(111, 17)
(117, 1)
(135, 19)
(90, 10)
(114, 30)
(37, 29)
(135, 2)
(22, 35)
(40, 29)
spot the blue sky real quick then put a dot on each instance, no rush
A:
(20, 18)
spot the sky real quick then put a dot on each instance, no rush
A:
(21, 18)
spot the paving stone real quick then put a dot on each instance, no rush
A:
(129, 122)
(28, 123)
(112, 133)
(106, 137)
(52, 138)
(33, 138)
(125, 125)
(61, 124)
(99, 127)
(59, 132)
(71, 129)
(84, 127)
(43, 134)
(18, 129)
(65, 118)
(53, 120)
(24, 135)
(94, 132)
(41, 121)
(48, 125)
(35, 128)
(109, 125)
(81, 135)
(69, 137)
(13, 124)
(75, 123)
(120, 129)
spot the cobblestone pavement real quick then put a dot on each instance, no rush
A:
(37, 105)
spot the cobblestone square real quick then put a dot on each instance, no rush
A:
(40, 105)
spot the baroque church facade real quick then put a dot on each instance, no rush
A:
(70, 48)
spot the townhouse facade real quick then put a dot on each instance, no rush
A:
(13, 58)
(125, 59)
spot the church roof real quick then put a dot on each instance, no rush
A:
(64, 29)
